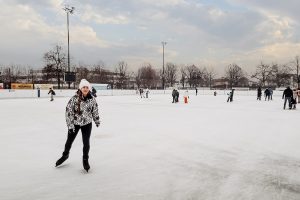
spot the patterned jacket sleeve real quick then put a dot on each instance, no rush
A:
(95, 112)
(70, 113)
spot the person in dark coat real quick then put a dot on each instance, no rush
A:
(52, 93)
(294, 99)
(287, 96)
(142, 93)
(177, 96)
(267, 94)
(173, 95)
(271, 93)
(94, 91)
(259, 93)
(81, 110)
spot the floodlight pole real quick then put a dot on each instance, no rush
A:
(163, 79)
(297, 62)
(69, 10)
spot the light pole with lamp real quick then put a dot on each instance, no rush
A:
(163, 78)
(69, 10)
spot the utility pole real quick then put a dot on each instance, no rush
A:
(9, 78)
(69, 10)
(297, 62)
(31, 72)
(163, 78)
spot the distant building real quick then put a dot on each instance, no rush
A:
(220, 83)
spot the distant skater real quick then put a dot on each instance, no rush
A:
(173, 95)
(147, 93)
(230, 96)
(142, 93)
(271, 93)
(294, 99)
(267, 94)
(287, 96)
(259, 93)
(176, 96)
(52, 93)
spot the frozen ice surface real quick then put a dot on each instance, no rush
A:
(151, 149)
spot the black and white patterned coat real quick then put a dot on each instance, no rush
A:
(82, 111)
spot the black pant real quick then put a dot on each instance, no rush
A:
(289, 100)
(86, 133)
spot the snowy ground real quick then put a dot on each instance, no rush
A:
(151, 149)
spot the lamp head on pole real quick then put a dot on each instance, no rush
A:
(69, 9)
(163, 43)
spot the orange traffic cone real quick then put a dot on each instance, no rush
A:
(185, 100)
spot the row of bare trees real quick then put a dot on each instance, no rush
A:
(147, 75)
(12, 73)
(277, 75)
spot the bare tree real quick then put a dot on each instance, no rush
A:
(49, 72)
(200, 77)
(18, 73)
(183, 76)
(209, 76)
(147, 76)
(294, 66)
(263, 73)
(171, 71)
(122, 75)
(100, 75)
(138, 78)
(191, 73)
(6, 76)
(12, 73)
(234, 73)
(281, 75)
(82, 72)
(31, 75)
(57, 59)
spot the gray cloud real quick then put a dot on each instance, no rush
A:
(110, 30)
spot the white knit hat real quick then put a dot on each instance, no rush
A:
(83, 83)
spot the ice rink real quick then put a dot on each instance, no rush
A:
(151, 149)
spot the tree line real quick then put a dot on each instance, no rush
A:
(148, 76)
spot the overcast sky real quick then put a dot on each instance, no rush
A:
(211, 33)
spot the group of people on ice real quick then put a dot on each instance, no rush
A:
(268, 93)
(142, 92)
(52, 93)
(175, 96)
(82, 110)
(288, 95)
(291, 96)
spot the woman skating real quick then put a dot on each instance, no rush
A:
(81, 110)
